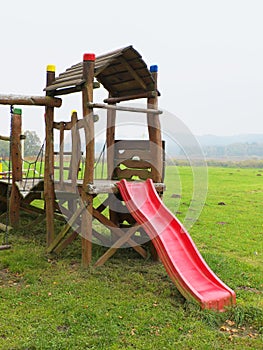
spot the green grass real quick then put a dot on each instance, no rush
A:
(52, 303)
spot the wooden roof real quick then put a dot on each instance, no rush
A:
(122, 72)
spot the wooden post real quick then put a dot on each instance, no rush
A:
(30, 100)
(49, 192)
(61, 154)
(110, 140)
(87, 97)
(154, 129)
(76, 149)
(16, 160)
(155, 137)
(75, 159)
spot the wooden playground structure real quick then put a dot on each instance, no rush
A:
(67, 195)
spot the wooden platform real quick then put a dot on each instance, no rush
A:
(27, 185)
(99, 186)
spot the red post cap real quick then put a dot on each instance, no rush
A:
(89, 57)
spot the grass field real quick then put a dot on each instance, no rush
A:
(51, 303)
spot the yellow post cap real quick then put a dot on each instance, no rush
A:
(73, 111)
(51, 68)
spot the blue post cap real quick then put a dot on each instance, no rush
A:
(154, 69)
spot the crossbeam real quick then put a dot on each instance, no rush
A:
(7, 138)
(30, 100)
(4, 138)
(124, 108)
(130, 97)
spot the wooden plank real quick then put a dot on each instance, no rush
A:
(103, 205)
(62, 245)
(124, 108)
(113, 100)
(132, 144)
(70, 72)
(65, 229)
(132, 153)
(118, 232)
(119, 243)
(125, 87)
(66, 125)
(133, 73)
(30, 100)
(104, 240)
(73, 82)
(129, 173)
(67, 78)
(100, 188)
(137, 164)
(116, 67)
(67, 91)
(129, 91)
(117, 73)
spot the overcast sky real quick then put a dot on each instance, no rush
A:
(209, 53)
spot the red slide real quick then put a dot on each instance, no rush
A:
(182, 260)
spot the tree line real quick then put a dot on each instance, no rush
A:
(245, 150)
(31, 147)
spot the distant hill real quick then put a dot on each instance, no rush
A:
(245, 146)
(242, 146)
(213, 140)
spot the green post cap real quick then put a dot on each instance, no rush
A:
(17, 111)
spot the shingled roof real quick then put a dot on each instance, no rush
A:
(122, 72)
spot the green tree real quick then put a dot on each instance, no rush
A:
(4, 149)
(32, 143)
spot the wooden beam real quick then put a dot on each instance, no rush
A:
(156, 145)
(16, 160)
(133, 73)
(62, 245)
(4, 138)
(7, 138)
(155, 136)
(112, 100)
(118, 244)
(65, 229)
(124, 108)
(110, 140)
(20, 100)
(49, 191)
(87, 98)
(119, 232)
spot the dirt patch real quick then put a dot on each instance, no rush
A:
(9, 279)
(235, 331)
(249, 289)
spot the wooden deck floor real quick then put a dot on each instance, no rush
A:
(99, 186)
